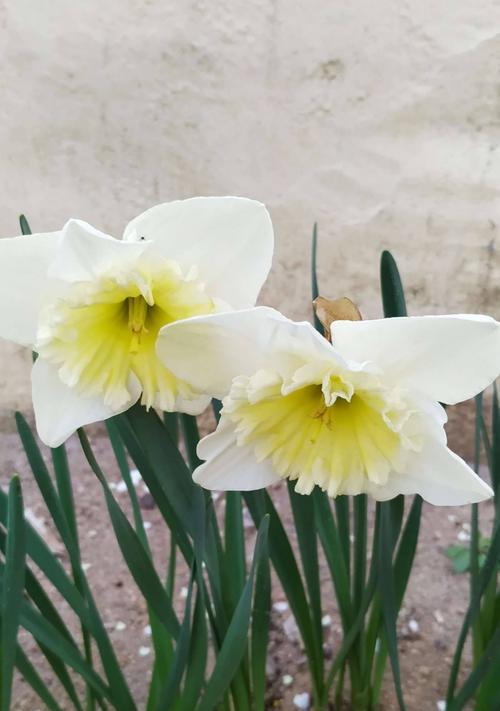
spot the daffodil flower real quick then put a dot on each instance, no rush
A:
(91, 306)
(358, 415)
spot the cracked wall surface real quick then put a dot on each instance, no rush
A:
(379, 120)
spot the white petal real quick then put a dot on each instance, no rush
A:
(229, 467)
(447, 358)
(209, 351)
(440, 476)
(85, 253)
(24, 262)
(229, 239)
(60, 410)
(193, 406)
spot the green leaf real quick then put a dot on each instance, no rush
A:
(24, 225)
(79, 595)
(121, 460)
(305, 527)
(234, 564)
(29, 673)
(261, 620)
(488, 570)
(332, 547)
(259, 504)
(191, 436)
(387, 595)
(491, 656)
(235, 641)
(198, 653)
(314, 275)
(40, 598)
(136, 558)
(180, 659)
(47, 635)
(154, 478)
(393, 297)
(13, 586)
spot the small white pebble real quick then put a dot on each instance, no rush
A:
(302, 701)
(452, 518)
(183, 593)
(287, 680)
(413, 626)
(326, 621)
(86, 566)
(147, 630)
(463, 536)
(136, 477)
(441, 705)
(144, 651)
(466, 527)
(92, 533)
(121, 487)
(147, 525)
(438, 617)
(112, 485)
(145, 489)
(280, 606)
(120, 626)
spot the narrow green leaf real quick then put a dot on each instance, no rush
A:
(314, 275)
(180, 659)
(305, 527)
(261, 620)
(155, 480)
(474, 679)
(235, 641)
(360, 506)
(350, 638)
(234, 565)
(24, 225)
(64, 488)
(15, 551)
(171, 420)
(48, 563)
(489, 568)
(332, 547)
(191, 436)
(47, 635)
(393, 297)
(343, 516)
(29, 673)
(121, 460)
(137, 559)
(88, 613)
(387, 595)
(198, 653)
(259, 504)
(40, 598)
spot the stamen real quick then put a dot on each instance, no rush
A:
(137, 314)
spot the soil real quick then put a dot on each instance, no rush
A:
(428, 624)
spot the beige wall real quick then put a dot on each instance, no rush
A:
(379, 119)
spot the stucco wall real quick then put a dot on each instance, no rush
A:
(378, 119)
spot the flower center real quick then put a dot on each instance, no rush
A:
(137, 314)
(102, 334)
(332, 441)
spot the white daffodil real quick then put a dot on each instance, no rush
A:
(358, 416)
(91, 306)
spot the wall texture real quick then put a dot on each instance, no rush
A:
(380, 120)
